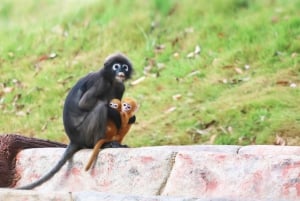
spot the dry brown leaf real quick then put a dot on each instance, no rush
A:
(283, 82)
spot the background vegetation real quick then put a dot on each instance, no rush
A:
(223, 72)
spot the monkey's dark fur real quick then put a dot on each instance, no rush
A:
(85, 110)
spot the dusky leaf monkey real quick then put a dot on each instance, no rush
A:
(85, 111)
(127, 109)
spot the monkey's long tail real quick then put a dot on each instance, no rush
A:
(95, 153)
(69, 152)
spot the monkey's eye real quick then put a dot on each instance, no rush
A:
(125, 67)
(110, 104)
(116, 66)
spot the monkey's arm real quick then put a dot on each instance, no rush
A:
(114, 115)
(87, 101)
(91, 93)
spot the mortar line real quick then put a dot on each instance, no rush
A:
(171, 165)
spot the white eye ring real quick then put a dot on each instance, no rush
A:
(125, 67)
(116, 66)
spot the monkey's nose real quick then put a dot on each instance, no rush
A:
(120, 76)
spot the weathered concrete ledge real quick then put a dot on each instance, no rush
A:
(201, 173)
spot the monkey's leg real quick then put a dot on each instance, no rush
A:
(95, 153)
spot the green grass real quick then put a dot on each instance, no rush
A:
(237, 90)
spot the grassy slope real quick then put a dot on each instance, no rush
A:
(220, 100)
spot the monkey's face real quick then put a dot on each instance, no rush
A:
(126, 107)
(122, 71)
(115, 104)
(129, 106)
(120, 65)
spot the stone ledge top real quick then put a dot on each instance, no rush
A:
(195, 172)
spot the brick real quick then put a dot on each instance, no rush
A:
(95, 196)
(269, 150)
(213, 175)
(23, 195)
(134, 171)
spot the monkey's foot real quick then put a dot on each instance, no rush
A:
(113, 144)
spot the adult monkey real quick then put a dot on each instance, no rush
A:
(86, 108)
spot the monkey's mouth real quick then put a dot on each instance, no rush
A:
(120, 77)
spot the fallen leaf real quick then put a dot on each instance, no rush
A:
(16, 98)
(160, 65)
(159, 48)
(44, 127)
(138, 81)
(65, 80)
(280, 141)
(224, 81)
(193, 73)
(197, 49)
(52, 55)
(283, 82)
(190, 55)
(8, 89)
(194, 53)
(212, 139)
(21, 113)
(294, 55)
(293, 85)
(176, 55)
(11, 54)
(189, 30)
(238, 70)
(247, 67)
(216, 61)
(171, 109)
(176, 96)
(209, 124)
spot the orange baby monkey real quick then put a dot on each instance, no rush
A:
(127, 108)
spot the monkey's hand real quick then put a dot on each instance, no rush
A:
(132, 120)
(115, 116)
